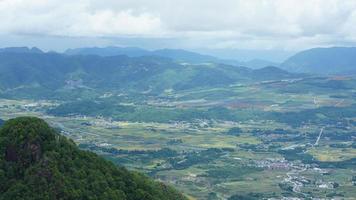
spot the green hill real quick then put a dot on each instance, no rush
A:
(37, 163)
(335, 60)
(57, 71)
(46, 74)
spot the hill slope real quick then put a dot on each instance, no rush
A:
(48, 73)
(37, 163)
(56, 71)
(336, 60)
(179, 55)
(175, 54)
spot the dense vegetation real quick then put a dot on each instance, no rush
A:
(51, 75)
(322, 115)
(37, 163)
(90, 108)
(236, 131)
(139, 113)
(250, 196)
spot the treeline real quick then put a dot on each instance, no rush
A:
(197, 157)
(90, 108)
(145, 113)
(177, 160)
(251, 196)
(331, 115)
(231, 172)
(160, 153)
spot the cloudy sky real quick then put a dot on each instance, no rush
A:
(207, 25)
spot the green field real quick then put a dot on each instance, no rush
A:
(212, 143)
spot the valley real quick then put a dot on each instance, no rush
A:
(187, 100)
(291, 138)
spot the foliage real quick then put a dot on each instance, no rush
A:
(236, 131)
(37, 163)
(249, 196)
(196, 157)
(90, 108)
(331, 115)
(231, 171)
(140, 113)
(161, 153)
(52, 75)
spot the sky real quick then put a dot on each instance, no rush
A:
(217, 26)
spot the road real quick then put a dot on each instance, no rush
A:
(320, 133)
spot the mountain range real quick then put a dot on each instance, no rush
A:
(32, 71)
(175, 54)
(27, 72)
(334, 60)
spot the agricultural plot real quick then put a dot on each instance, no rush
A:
(288, 138)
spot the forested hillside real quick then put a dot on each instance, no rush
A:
(47, 74)
(37, 163)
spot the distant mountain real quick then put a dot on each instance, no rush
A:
(38, 163)
(1, 122)
(48, 73)
(109, 51)
(335, 60)
(259, 63)
(20, 50)
(246, 55)
(185, 56)
(175, 54)
(178, 55)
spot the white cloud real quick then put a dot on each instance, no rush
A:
(73, 18)
(266, 24)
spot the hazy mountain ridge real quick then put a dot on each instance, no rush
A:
(176, 54)
(335, 60)
(326, 61)
(179, 55)
(53, 72)
(21, 50)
